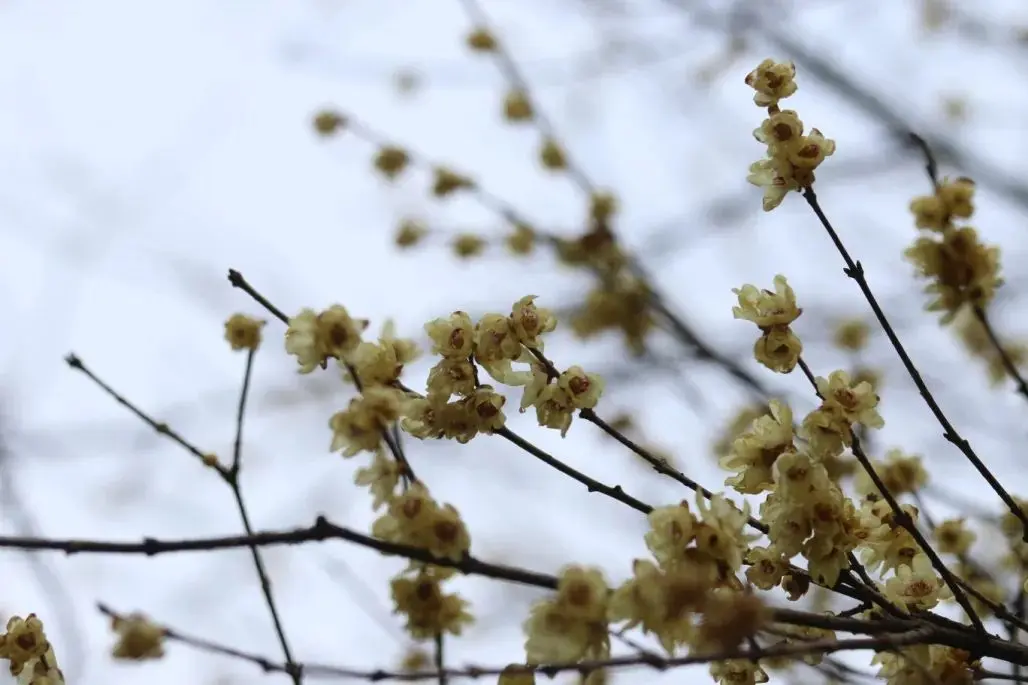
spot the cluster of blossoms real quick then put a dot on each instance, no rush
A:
(412, 517)
(455, 405)
(697, 591)
(792, 156)
(806, 510)
(688, 596)
(963, 272)
(30, 654)
(494, 344)
(778, 348)
(926, 665)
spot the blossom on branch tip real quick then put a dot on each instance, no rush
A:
(772, 81)
(315, 338)
(243, 332)
(138, 638)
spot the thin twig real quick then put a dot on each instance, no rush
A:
(1004, 355)
(161, 428)
(395, 446)
(856, 272)
(788, 649)
(512, 73)
(440, 663)
(932, 169)
(879, 599)
(593, 485)
(902, 518)
(230, 475)
(237, 447)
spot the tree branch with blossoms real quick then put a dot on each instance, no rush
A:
(830, 518)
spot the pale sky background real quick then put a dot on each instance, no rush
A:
(145, 148)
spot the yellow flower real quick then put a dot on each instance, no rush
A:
(753, 454)
(314, 338)
(453, 337)
(899, 472)
(672, 528)
(414, 518)
(554, 407)
(382, 363)
(929, 212)
(962, 270)
(328, 122)
(811, 150)
(826, 431)
(391, 161)
(573, 625)
(778, 349)
(958, 196)
(243, 332)
(138, 638)
(954, 537)
(552, 155)
(428, 610)
(602, 206)
(522, 240)
(583, 389)
(852, 335)
(662, 602)
(409, 233)
(729, 617)
(485, 407)
(481, 40)
(857, 403)
(916, 586)
(767, 567)
(467, 245)
(382, 476)
(772, 81)
(451, 377)
(776, 177)
(530, 322)
(721, 531)
(24, 641)
(447, 182)
(360, 426)
(780, 131)
(737, 672)
(517, 107)
(766, 308)
(582, 593)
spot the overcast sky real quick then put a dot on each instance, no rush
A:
(145, 148)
